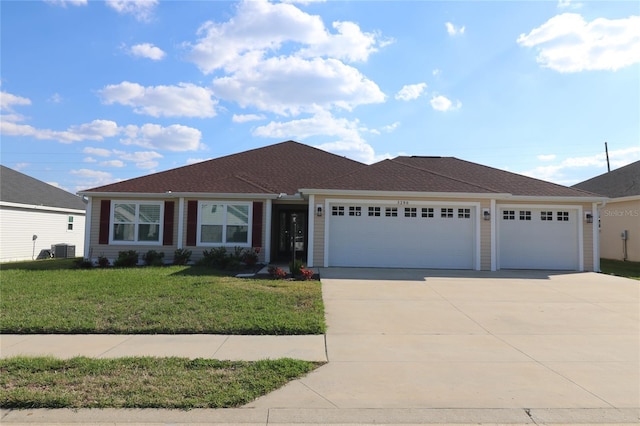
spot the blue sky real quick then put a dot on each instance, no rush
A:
(95, 92)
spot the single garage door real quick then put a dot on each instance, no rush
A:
(401, 236)
(545, 238)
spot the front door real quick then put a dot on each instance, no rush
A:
(291, 234)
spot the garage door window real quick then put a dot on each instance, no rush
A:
(427, 212)
(374, 211)
(464, 213)
(410, 212)
(337, 211)
(446, 213)
(563, 216)
(355, 211)
(391, 211)
(546, 216)
(508, 215)
(525, 215)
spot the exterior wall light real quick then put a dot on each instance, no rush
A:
(588, 217)
(486, 214)
(319, 210)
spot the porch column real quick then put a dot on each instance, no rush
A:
(267, 232)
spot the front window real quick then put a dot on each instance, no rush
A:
(222, 223)
(136, 222)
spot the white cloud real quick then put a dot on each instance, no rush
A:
(441, 103)
(597, 163)
(89, 160)
(290, 85)
(96, 130)
(411, 91)
(196, 160)
(8, 100)
(567, 43)
(142, 10)
(185, 99)
(55, 98)
(100, 152)
(172, 138)
(147, 50)
(546, 157)
(244, 118)
(452, 30)
(112, 163)
(64, 3)
(569, 4)
(92, 178)
(142, 159)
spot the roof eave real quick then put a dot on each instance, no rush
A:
(41, 207)
(171, 194)
(370, 193)
(545, 198)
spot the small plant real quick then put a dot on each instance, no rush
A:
(277, 273)
(153, 258)
(307, 274)
(103, 261)
(84, 263)
(126, 259)
(181, 256)
(296, 266)
(250, 257)
(216, 258)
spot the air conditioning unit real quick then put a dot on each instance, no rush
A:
(63, 250)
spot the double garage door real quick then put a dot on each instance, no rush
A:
(441, 236)
(403, 236)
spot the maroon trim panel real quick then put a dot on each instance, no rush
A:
(192, 222)
(256, 234)
(105, 214)
(167, 227)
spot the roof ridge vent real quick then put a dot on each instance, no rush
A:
(426, 156)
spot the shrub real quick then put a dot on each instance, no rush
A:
(153, 258)
(296, 266)
(215, 258)
(181, 256)
(277, 273)
(103, 261)
(307, 274)
(250, 257)
(126, 259)
(84, 263)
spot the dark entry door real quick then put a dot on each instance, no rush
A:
(291, 234)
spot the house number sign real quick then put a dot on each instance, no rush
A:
(403, 202)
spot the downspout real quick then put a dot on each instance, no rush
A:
(87, 229)
(596, 235)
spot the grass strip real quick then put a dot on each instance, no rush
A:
(141, 382)
(156, 300)
(621, 268)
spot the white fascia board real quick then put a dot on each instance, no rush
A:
(401, 194)
(165, 195)
(538, 199)
(41, 207)
(624, 199)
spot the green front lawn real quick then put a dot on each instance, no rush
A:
(620, 268)
(141, 382)
(48, 297)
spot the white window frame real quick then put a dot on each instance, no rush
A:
(136, 223)
(223, 243)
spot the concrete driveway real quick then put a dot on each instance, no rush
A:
(534, 346)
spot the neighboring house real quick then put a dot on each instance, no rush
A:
(35, 216)
(290, 199)
(620, 216)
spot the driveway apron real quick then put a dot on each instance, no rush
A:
(474, 340)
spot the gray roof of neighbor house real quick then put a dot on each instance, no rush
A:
(281, 168)
(16, 187)
(622, 182)
(447, 174)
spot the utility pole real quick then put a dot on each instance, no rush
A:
(606, 150)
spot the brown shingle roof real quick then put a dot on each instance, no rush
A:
(446, 174)
(281, 168)
(622, 182)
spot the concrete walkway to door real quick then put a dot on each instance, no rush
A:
(498, 347)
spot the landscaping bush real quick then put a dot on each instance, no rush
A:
(307, 274)
(277, 273)
(103, 262)
(181, 256)
(295, 267)
(126, 259)
(153, 258)
(217, 257)
(84, 263)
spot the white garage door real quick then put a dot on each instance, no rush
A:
(545, 238)
(401, 236)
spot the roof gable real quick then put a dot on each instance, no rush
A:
(281, 168)
(16, 187)
(622, 182)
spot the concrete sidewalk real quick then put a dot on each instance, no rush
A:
(234, 348)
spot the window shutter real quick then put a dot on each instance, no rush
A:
(192, 222)
(167, 228)
(105, 214)
(256, 225)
